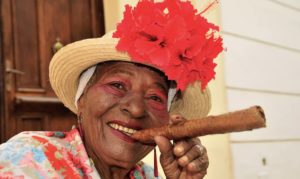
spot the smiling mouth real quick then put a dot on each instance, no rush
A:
(123, 129)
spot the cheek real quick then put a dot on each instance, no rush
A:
(99, 101)
(160, 117)
(162, 107)
(96, 105)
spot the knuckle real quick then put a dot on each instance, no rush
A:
(197, 141)
(201, 150)
(199, 164)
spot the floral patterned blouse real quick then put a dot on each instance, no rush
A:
(52, 155)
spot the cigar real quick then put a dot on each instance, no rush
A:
(237, 121)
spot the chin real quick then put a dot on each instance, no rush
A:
(126, 158)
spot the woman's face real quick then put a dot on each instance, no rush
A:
(122, 98)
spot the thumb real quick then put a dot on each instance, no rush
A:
(176, 119)
(164, 145)
(167, 158)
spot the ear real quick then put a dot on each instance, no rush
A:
(81, 104)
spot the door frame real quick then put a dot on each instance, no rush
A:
(2, 81)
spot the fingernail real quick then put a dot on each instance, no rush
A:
(184, 160)
(175, 116)
(178, 150)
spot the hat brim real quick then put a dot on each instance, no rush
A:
(69, 62)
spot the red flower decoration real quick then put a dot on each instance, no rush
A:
(172, 37)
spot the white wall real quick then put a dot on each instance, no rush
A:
(262, 65)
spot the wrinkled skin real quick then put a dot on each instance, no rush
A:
(135, 97)
(186, 159)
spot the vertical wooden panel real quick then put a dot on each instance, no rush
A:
(97, 17)
(2, 88)
(7, 35)
(26, 44)
(80, 18)
(32, 123)
(59, 122)
(54, 22)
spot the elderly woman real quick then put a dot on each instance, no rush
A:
(145, 75)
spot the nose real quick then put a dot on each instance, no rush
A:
(133, 105)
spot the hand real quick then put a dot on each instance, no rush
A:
(185, 159)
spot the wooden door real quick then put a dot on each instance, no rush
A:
(30, 30)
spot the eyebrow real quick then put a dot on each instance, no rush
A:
(159, 85)
(114, 71)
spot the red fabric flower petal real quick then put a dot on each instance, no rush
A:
(173, 37)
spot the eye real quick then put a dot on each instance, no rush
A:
(118, 85)
(156, 98)
(157, 102)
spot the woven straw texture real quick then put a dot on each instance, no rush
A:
(69, 62)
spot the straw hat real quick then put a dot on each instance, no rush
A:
(69, 62)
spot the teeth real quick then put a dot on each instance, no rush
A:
(127, 131)
(131, 131)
